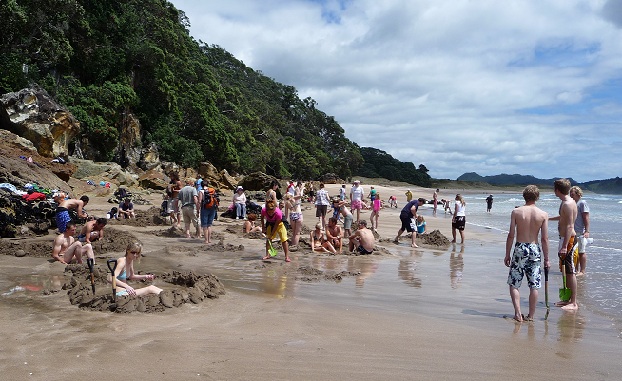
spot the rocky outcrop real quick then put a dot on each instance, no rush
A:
(153, 179)
(17, 170)
(110, 172)
(257, 181)
(32, 114)
(150, 157)
(331, 178)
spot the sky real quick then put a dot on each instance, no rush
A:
(485, 86)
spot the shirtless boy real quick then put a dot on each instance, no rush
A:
(362, 240)
(526, 223)
(92, 230)
(62, 211)
(65, 248)
(567, 216)
(334, 234)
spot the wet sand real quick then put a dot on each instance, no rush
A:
(429, 313)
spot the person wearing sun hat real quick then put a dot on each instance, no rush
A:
(239, 201)
(356, 198)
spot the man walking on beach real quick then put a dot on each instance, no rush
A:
(581, 227)
(566, 218)
(488, 203)
(189, 200)
(526, 223)
(435, 198)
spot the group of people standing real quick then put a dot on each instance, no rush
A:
(527, 255)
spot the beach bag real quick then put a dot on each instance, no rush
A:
(210, 199)
(164, 209)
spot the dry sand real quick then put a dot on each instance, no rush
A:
(271, 326)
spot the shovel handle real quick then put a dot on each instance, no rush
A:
(112, 266)
(546, 274)
(90, 263)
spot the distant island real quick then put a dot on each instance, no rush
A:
(610, 186)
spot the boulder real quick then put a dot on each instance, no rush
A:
(150, 157)
(230, 181)
(32, 114)
(104, 171)
(257, 181)
(331, 178)
(153, 179)
(17, 170)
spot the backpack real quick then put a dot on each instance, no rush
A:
(164, 209)
(210, 198)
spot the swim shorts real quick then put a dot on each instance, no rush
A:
(62, 218)
(347, 221)
(567, 260)
(406, 220)
(356, 205)
(526, 261)
(363, 251)
(320, 210)
(459, 223)
(295, 216)
(582, 243)
(271, 232)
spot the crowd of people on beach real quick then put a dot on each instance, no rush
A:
(527, 251)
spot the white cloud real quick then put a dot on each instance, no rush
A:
(486, 86)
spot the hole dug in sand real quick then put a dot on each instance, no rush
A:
(191, 288)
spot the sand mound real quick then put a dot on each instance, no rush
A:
(311, 274)
(191, 288)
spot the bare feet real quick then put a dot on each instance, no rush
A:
(266, 257)
(287, 259)
(206, 242)
(414, 245)
(581, 273)
(561, 303)
(454, 241)
(570, 307)
(518, 318)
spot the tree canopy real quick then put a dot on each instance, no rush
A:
(197, 102)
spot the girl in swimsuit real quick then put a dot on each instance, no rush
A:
(318, 243)
(125, 272)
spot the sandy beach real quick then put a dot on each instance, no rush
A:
(429, 313)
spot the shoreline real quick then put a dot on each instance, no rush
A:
(434, 313)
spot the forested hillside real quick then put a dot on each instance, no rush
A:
(107, 60)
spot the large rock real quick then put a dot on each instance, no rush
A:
(17, 170)
(32, 114)
(150, 157)
(104, 171)
(257, 181)
(153, 179)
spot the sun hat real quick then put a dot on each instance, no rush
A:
(239, 187)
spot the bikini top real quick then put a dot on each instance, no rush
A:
(122, 276)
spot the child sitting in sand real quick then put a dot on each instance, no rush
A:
(421, 225)
(125, 271)
(249, 224)
(319, 243)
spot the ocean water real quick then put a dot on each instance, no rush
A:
(599, 290)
